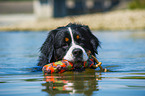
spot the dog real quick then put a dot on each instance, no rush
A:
(70, 42)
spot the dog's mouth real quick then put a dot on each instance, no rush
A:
(78, 59)
(77, 56)
(78, 62)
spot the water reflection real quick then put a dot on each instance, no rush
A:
(84, 83)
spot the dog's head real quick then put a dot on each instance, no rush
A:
(70, 42)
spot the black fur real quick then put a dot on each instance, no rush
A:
(54, 48)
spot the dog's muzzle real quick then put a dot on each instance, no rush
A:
(76, 54)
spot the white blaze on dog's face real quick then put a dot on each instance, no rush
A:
(75, 52)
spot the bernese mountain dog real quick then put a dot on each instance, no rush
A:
(70, 42)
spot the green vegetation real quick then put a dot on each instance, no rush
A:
(137, 4)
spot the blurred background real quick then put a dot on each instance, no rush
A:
(48, 14)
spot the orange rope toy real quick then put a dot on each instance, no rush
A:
(64, 65)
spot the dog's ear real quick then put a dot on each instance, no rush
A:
(47, 49)
(95, 43)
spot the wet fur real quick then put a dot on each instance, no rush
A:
(54, 48)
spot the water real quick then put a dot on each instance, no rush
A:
(122, 52)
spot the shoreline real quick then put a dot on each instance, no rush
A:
(113, 20)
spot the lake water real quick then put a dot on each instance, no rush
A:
(122, 53)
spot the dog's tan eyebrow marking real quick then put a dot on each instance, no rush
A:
(66, 39)
(78, 37)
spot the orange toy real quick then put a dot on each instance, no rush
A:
(64, 65)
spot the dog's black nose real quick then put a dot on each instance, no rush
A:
(77, 52)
